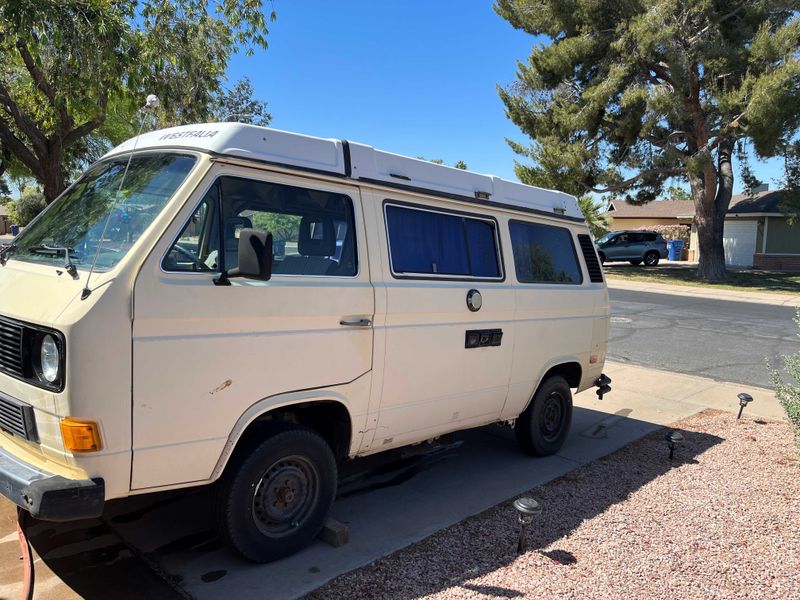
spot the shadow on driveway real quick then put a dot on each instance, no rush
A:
(163, 545)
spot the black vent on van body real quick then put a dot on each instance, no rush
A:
(17, 418)
(590, 256)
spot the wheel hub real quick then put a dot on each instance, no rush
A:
(285, 496)
(552, 415)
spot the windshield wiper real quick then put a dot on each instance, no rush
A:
(5, 250)
(69, 267)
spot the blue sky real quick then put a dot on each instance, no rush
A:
(415, 77)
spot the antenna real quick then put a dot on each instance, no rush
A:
(151, 103)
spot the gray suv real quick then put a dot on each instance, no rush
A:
(636, 247)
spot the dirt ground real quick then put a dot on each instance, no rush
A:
(723, 522)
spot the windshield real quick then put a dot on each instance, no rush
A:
(76, 220)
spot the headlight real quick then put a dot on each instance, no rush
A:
(50, 359)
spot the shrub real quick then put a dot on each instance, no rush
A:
(788, 393)
(30, 204)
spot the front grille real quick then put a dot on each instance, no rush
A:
(11, 348)
(590, 256)
(17, 418)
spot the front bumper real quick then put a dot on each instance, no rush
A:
(46, 496)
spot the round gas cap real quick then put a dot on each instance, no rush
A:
(474, 300)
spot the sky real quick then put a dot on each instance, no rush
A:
(417, 77)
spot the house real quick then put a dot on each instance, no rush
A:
(622, 215)
(757, 233)
(5, 225)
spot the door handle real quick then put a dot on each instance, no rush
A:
(355, 322)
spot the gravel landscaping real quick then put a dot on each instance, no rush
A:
(722, 520)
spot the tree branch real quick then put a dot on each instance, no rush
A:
(628, 183)
(26, 125)
(15, 145)
(86, 128)
(44, 86)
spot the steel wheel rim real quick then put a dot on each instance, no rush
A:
(552, 416)
(285, 496)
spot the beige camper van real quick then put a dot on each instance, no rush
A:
(233, 305)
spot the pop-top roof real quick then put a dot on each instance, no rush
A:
(357, 161)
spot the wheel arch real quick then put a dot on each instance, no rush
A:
(328, 414)
(568, 367)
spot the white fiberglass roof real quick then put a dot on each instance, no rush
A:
(350, 159)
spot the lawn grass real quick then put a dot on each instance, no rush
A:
(748, 280)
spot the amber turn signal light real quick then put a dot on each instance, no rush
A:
(80, 436)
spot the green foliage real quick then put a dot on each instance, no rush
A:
(460, 164)
(74, 73)
(790, 200)
(624, 97)
(788, 393)
(751, 182)
(593, 213)
(282, 227)
(30, 204)
(678, 193)
(238, 105)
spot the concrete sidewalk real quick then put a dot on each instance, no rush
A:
(387, 505)
(756, 297)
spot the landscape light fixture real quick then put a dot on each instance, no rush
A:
(744, 400)
(527, 508)
(674, 438)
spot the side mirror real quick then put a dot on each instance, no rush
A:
(255, 257)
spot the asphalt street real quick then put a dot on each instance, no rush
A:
(723, 340)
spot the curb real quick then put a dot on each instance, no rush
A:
(696, 292)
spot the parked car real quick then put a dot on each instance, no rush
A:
(636, 247)
(163, 340)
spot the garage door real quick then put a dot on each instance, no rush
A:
(739, 239)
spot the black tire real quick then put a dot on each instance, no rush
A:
(651, 259)
(602, 256)
(635, 263)
(273, 500)
(543, 427)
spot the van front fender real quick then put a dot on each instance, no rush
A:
(283, 401)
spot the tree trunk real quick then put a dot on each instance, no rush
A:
(53, 180)
(710, 210)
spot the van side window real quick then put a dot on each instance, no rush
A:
(544, 254)
(313, 232)
(197, 248)
(424, 242)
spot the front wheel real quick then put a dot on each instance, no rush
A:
(651, 259)
(274, 500)
(543, 427)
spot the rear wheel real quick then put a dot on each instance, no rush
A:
(543, 427)
(273, 501)
(635, 263)
(651, 259)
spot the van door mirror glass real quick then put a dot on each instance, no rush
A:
(255, 257)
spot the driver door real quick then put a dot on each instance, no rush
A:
(203, 354)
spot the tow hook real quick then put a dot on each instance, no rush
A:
(603, 385)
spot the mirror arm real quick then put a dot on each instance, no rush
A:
(225, 277)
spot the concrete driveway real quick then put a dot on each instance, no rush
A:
(163, 546)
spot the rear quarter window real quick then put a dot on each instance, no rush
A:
(544, 254)
(436, 243)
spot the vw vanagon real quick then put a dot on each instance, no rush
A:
(233, 305)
